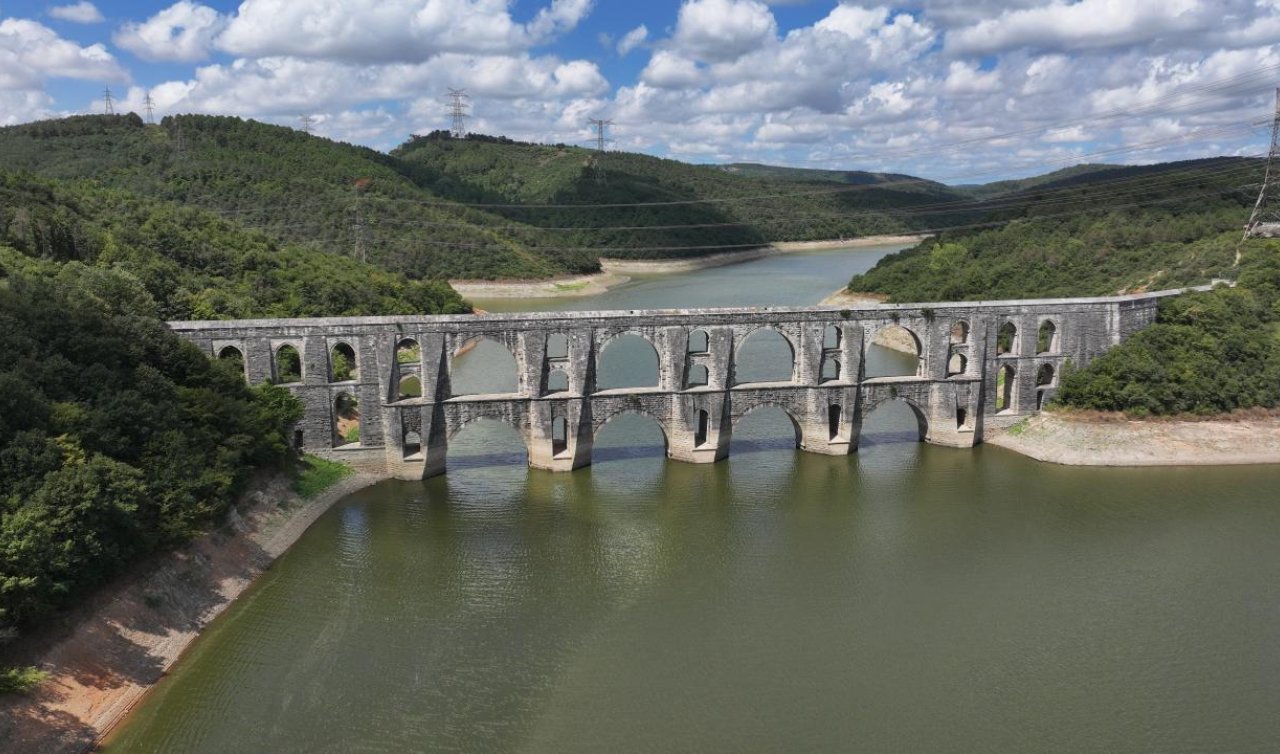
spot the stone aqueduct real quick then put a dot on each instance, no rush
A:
(698, 399)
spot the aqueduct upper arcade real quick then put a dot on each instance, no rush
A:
(978, 362)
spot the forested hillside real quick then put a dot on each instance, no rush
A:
(1097, 232)
(118, 437)
(689, 209)
(1093, 233)
(337, 198)
(405, 212)
(193, 264)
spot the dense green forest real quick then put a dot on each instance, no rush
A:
(1094, 233)
(192, 263)
(119, 437)
(1098, 232)
(691, 209)
(1208, 353)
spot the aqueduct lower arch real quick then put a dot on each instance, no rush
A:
(696, 417)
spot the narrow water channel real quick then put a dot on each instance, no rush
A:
(906, 598)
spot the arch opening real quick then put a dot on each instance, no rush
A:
(410, 387)
(1044, 377)
(629, 435)
(831, 338)
(482, 366)
(766, 355)
(834, 416)
(342, 364)
(486, 442)
(557, 346)
(704, 429)
(698, 376)
(830, 371)
(960, 332)
(288, 365)
(699, 342)
(629, 360)
(768, 426)
(557, 382)
(1047, 337)
(894, 420)
(957, 364)
(233, 357)
(408, 352)
(1006, 378)
(412, 444)
(1007, 339)
(896, 352)
(346, 420)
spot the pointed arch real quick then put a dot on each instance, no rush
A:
(786, 410)
(1047, 337)
(698, 342)
(921, 416)
(628, 359)
(766, 354)
(408, 351)
(697, 376)
(960, 332)
(899, 352)
(1006, 394)
(483, 365)
(343, 366)
(287, 365)
(958, 364)
(1007, 339)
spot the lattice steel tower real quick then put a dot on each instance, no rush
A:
(458, 110)
(1264, 222)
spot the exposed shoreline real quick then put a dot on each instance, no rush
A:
(1069, 440)
(616, 272)
(113, 649)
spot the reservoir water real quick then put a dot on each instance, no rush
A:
(906, 598)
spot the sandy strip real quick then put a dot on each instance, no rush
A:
(618, 271)
(578, 285)
(1073, 441)
(110, 651)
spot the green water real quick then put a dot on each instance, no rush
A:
(905, 599)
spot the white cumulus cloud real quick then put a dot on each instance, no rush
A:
(721, 30)
(183, 32)
(31, 52)
(633, 39)
(83, 12)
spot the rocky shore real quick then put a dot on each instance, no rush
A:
(1083, 440)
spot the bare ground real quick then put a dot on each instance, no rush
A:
(105, 655)
(1082, 440)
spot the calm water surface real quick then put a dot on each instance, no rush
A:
(904, 599)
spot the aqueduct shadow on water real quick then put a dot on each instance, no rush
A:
(378, 392)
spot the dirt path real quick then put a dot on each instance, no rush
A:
(106, 654)
(1076, 441)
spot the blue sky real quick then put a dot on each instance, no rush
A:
(956, 90)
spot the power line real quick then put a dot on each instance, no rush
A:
(458, 113)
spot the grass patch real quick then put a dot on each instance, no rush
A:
(1019, 428)
(21, 680)
(315, 475)
(577, 286)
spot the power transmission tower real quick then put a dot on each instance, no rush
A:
(1264, 222)
(106, 99)
(307, 121)
(602, 138)
(458, 112)
(151, 108)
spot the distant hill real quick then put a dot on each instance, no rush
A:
(899, 181)
(297, 187)
(986, 190)
(1090, 232)
(688, 205)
